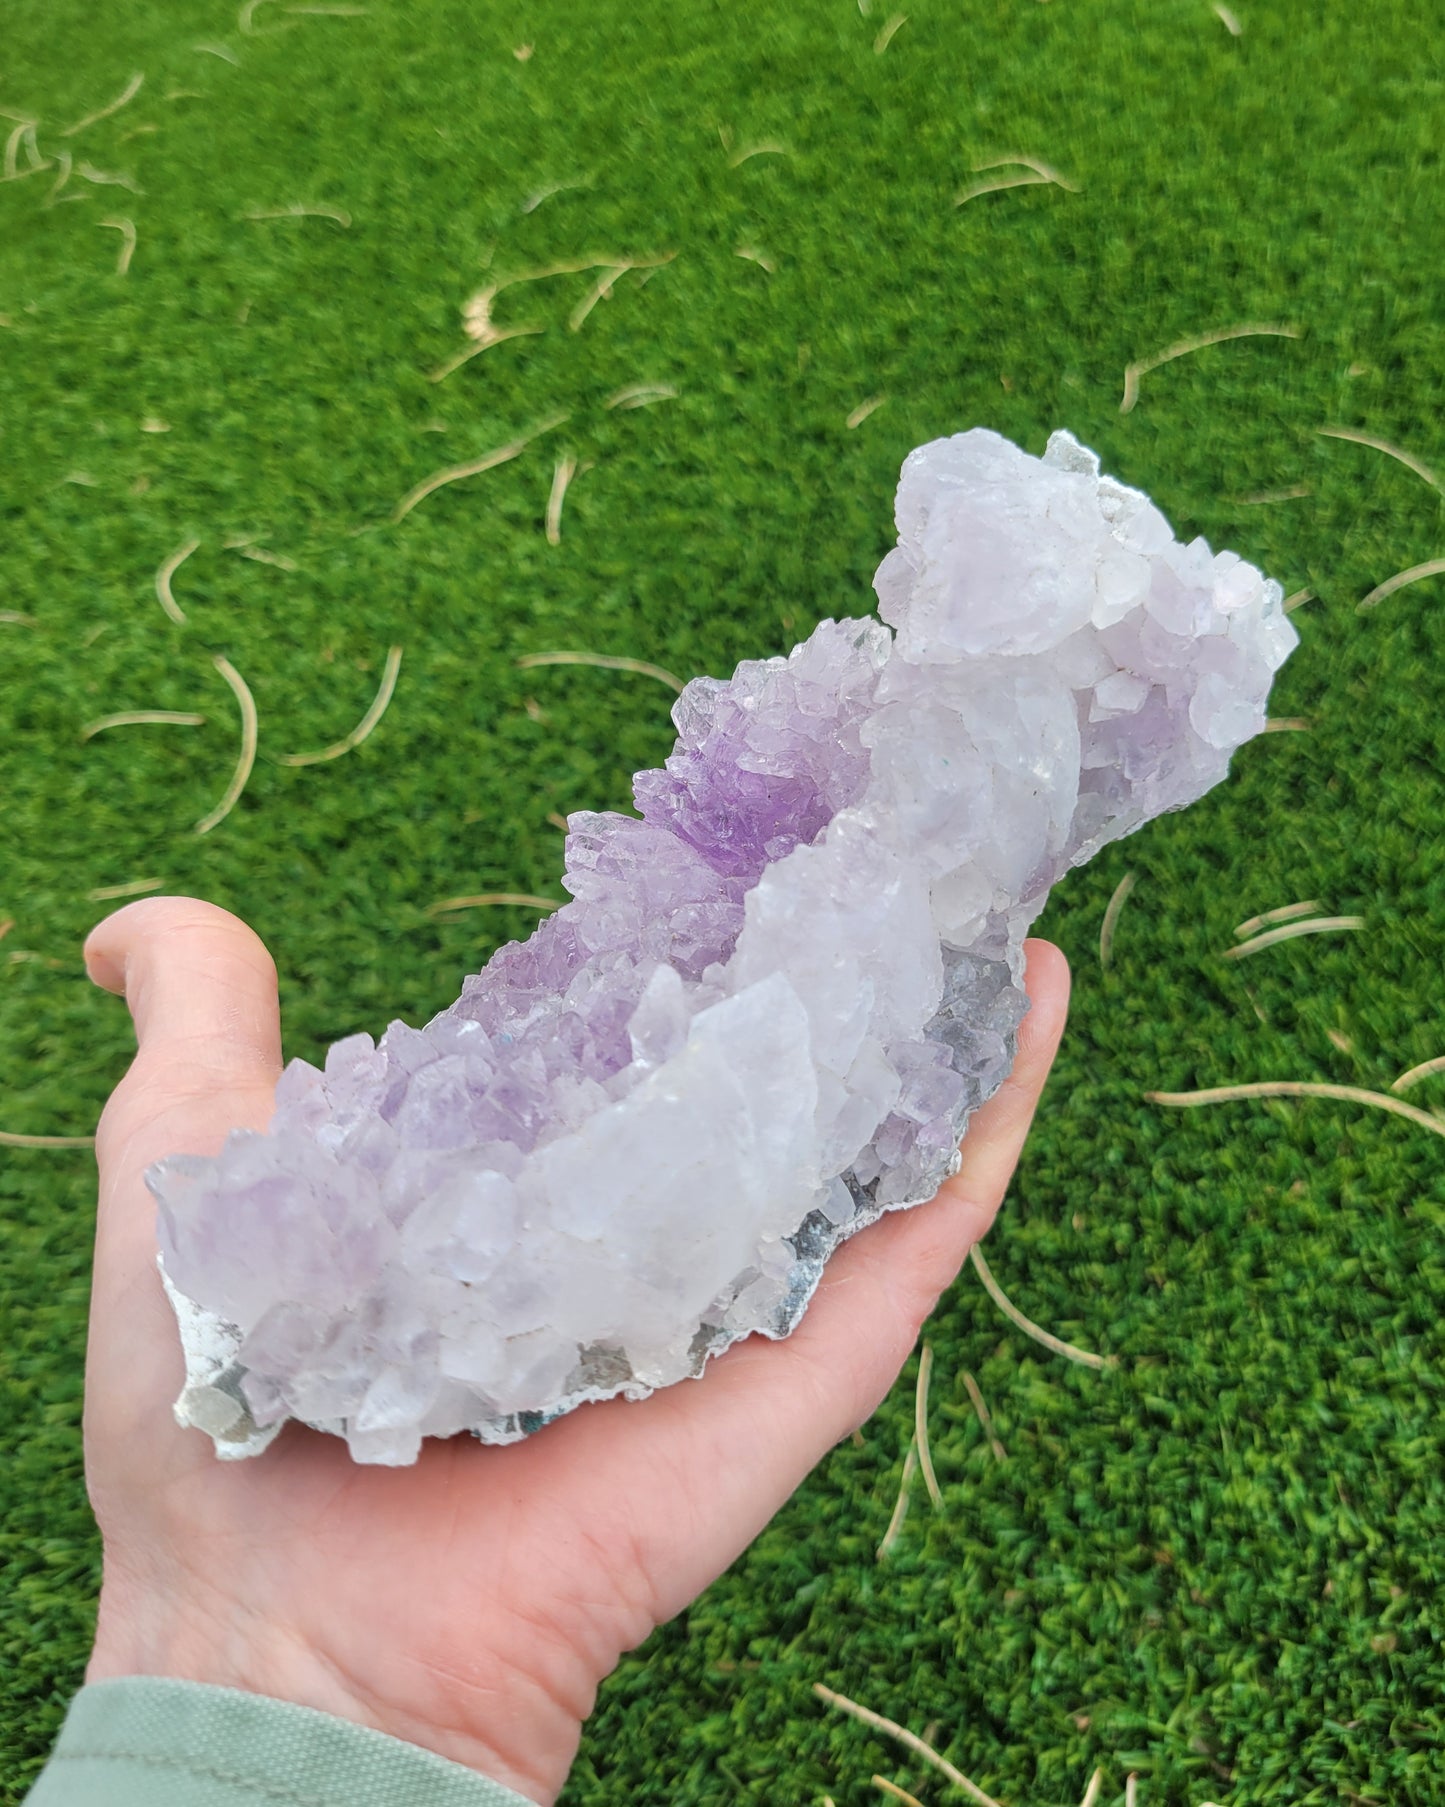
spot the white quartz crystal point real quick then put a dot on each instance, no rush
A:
(767, 1012)
(1096, 672)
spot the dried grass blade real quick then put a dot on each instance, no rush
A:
(109, 178)
(910, 1740)
(769, 148)
(1431, 568)
(1046, 170)
(1000, 1454)
(566, 470)
(535, 200)
(601, 290)
(1401, 456)
(639, 395)
(1415, 1074)
(300, 211)
(1300, 1088)
(605, 662)
(137, 887)
(128, 94)
(895, 1793)
(483, 898)
(368, 721)
(863, 410)
(10, 170)
(900, 1505)
(138, 718)
(127, 231)
(1263, 498)
(1032, 180)
(1289, 931)
(63, 163)
(497, 337)
(920, 1427)
(166, 573)
(477, 309)
(263, 557)
(1027, 1325)
(1142, 366)
(247, 757)
(1111, 919)
(9, 1139)
(1284, 913)
(604, 284)
(455, 473)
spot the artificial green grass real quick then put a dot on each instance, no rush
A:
(1217, 1564)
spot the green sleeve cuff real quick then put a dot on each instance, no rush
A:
(148, 1742)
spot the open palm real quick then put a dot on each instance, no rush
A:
(470, 1604)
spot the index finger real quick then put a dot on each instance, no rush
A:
(786, 1404)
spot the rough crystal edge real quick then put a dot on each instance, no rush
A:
(211, 1400)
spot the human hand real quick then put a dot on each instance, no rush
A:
(470, 1604)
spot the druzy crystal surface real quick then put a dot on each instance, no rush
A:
(766, 1013)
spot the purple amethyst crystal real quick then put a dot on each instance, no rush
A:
(766, 1013)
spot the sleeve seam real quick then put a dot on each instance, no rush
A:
(198, 1770)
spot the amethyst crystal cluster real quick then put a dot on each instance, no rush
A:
(767, 1012)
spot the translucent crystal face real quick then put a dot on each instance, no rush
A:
(767, 1011)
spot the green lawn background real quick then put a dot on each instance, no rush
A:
(1217, 1565)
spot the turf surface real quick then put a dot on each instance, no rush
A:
(1218, 1564)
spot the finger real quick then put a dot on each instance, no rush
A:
(892, 1276)
(201, 989)
(200, 986)
(996, 1134)
(787, 1404)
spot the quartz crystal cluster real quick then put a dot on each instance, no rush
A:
(766, 1013)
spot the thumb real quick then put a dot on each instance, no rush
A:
(202, 992)
(201, 989)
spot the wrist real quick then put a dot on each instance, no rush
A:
(496, 1723)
